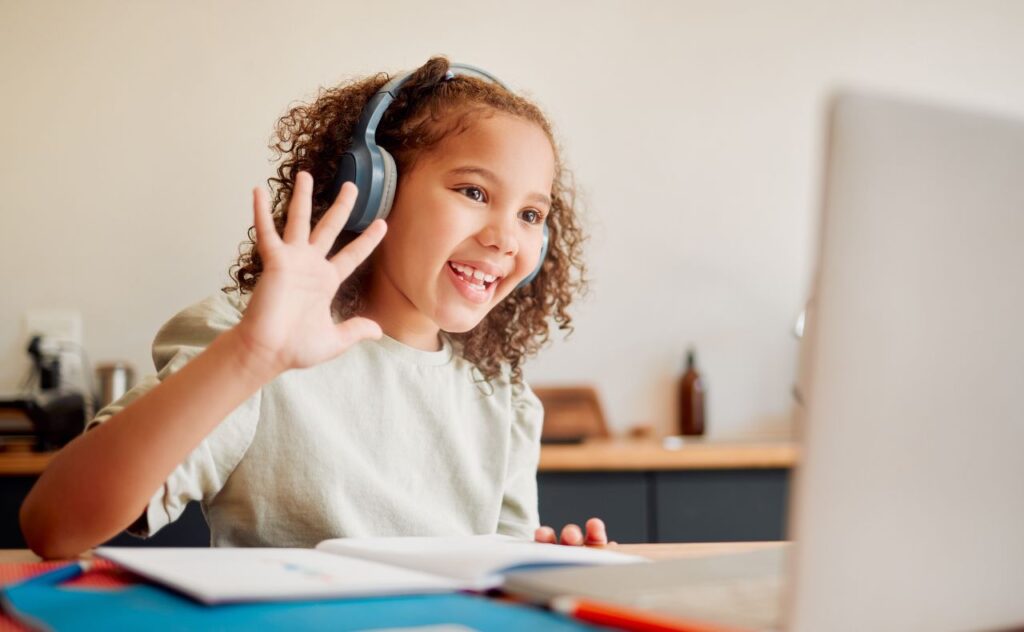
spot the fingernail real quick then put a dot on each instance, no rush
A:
(571, 535)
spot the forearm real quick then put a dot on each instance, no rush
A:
(100, 482)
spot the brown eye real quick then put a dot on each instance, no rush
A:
(532, 216)
(474, 193)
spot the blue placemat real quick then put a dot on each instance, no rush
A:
(43, 603)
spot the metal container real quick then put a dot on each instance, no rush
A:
(115, 378)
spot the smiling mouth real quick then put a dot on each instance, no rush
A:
(480, 285)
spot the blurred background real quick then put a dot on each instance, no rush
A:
(133, 133)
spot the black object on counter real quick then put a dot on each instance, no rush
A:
(56, 417)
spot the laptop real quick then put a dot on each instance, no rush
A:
(908, 509)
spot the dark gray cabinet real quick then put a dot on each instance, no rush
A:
(698, 505)
(695, 505)
(621, 499)
(188, 530)
(720, 505)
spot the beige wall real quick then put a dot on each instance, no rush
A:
(133, 132)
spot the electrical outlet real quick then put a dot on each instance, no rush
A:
(58, 324)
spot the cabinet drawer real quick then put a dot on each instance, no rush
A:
(621, 499)
(721, 505)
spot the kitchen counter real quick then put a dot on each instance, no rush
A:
(609, 455)
(594, 455)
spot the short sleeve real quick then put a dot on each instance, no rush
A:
(205, 470)
(519, 516)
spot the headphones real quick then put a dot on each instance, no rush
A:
(373, 169)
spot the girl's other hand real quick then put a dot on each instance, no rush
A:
(288, 323)
(571, 534)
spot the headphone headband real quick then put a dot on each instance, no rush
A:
(366, 128)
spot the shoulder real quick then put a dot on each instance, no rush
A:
(527, 409)
(519, 394)
(193, 328)
(526, 403)
(217, 312)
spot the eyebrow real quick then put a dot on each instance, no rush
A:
(489, 175)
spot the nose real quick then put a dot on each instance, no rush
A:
(499, 234)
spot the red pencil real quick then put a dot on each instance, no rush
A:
(630, 618)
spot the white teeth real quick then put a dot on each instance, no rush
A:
(473, 273)
(470, 274)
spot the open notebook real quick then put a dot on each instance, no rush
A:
(350, 567)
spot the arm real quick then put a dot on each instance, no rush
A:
(99, 483)
(84, 497)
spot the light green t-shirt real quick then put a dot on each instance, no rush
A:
(384, 440)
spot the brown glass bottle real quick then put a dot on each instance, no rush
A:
(691, 399)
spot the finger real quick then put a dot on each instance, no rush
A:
(297, 228)
(353, 254)
(266, 234)
(596, 533)
(327, 229)
(355, 329)
(572, 535)
(545, 534)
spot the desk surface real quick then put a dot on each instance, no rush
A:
(595, 455)
(650, 551)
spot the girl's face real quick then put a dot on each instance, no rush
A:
(472, 206)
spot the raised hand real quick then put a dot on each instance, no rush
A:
(288, 323)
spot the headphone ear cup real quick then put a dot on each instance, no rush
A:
(389, 184)
(540, 262)
(347, 172)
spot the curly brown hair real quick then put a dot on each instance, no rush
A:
(312, 137)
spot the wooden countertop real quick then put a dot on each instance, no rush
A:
(23, 463)
(691, 454)
(595, 455)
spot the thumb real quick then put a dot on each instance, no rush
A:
(355, 329)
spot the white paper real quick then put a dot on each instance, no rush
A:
(479, 561)
(217, 575)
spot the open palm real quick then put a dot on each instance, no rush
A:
(288, 320)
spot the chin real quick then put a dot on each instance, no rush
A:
(458, 318)
(459, 323)
(459, 326)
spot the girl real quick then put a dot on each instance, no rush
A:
(343, 389)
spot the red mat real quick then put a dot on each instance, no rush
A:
(103, 574)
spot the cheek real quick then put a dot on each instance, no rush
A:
(529, 256)
(400, 252)
(433, 219)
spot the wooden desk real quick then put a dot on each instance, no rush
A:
(650, 551)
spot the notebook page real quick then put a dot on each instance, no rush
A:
(218, 575)
(480, 560)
